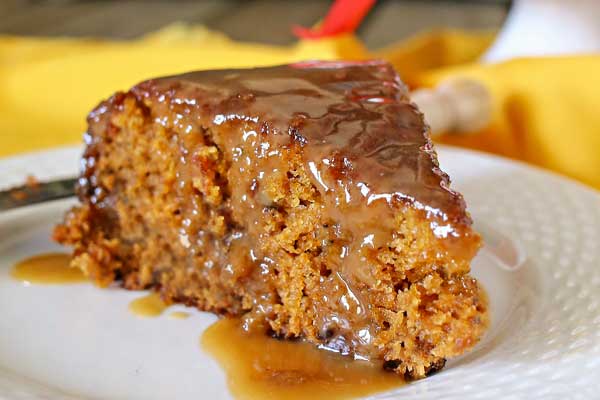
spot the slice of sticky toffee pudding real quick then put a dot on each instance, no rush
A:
(305, 198)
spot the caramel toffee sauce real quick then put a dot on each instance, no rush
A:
(179, 315)
(257, 366)
(261, 367)
(47, 269)
(150, 305)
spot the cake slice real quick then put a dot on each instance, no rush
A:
(306, 199)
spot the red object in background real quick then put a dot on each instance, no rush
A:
(344, 16)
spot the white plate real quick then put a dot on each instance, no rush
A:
(80, 342)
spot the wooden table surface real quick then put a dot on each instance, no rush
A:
(266, 21)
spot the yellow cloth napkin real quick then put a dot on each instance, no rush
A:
(545, 109)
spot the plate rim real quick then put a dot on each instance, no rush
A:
(558, 178)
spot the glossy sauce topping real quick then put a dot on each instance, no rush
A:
(47, 269)
(366, 151)
(362, 138)
(150, 305)
(259, 367)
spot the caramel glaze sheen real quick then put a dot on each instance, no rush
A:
(148, 306)
(362, 139)
(262, 368)
(47, 269)
(368, 156)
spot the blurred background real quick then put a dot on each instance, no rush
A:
(516, 78)
(265, 21)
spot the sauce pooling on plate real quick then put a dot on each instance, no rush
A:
(55, 269)
(179, 315)
(47, 269)
(260, 367)
(150, 305)
(257, 366)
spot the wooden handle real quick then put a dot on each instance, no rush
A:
(455, 106)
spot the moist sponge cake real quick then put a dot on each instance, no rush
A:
(306, 199)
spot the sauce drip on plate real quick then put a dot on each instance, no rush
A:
(150, 305)
(261, 367)
(47, 269)
(179, 315)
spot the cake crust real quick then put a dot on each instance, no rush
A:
(305, 198)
